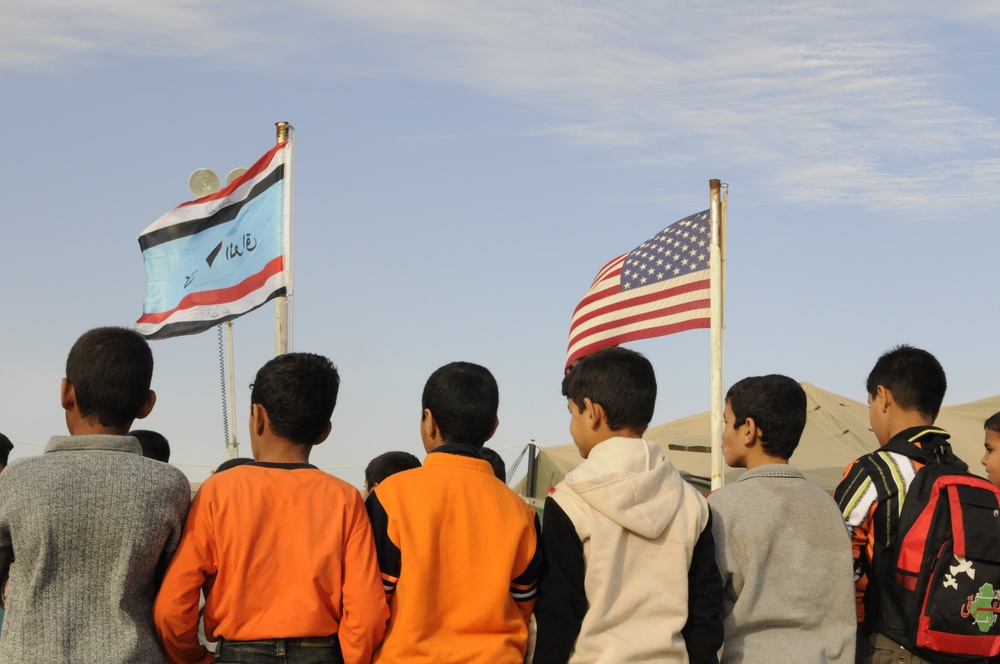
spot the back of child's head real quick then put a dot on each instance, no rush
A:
(463, 398)
(388, 464)
(110, 369)
(621, 381)
(914, 376)
(5, 449)
(499, 467)
(777, 405)
(992, 423)
(232, 463)
(299, 392)
(154, 445)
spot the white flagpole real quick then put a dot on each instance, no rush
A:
(282, 305)
(717, 275)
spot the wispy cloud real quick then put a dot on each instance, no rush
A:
(818, 101)
(58, 35)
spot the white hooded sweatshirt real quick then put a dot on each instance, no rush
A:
(638, 523)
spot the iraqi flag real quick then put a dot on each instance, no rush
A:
(216, 258)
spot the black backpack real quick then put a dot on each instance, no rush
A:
(940, 580)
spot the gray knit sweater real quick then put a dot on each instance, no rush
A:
(786, 565)
(86, 531)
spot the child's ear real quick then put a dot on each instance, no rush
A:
(883, 398)
(754, 434)
(258, 419)
(67, 395)
(147, 407)
(428, 425)
(594, 413)
(495, 425)
(429, 432)
(325, 434)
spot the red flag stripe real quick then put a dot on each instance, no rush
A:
(695, 305)
(220, 296)
(611, 303)
(613, 266)
(631, 326)
(259, 166)
(645, 333)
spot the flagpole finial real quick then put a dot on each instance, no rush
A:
(714, 184)
(282, 131)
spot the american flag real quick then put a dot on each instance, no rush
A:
(659, 288)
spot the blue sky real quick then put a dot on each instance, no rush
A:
(465, 168)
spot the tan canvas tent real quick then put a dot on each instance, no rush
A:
(837, 432)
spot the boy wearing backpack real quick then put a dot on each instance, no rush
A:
(991, 442)
(905, 391)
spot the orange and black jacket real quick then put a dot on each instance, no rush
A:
(870, 497)
(460, 558)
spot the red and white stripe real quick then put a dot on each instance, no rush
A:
(205, 309)
(608, 316)
(238, 190)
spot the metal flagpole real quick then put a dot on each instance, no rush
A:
(282, 304)
(717, 275)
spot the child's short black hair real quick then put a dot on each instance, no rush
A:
(110, 369)
(621, 381)
(299, 392)
(388, 464)
(463, 398)
(777, 405)
(499, 467)
(914, 376)
(154, 445)
(232, 463)
(5, 449)
(992, 423)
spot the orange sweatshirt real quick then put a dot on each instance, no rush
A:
(460, 559)
(282, 551)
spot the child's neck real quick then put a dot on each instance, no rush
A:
(907, 419)
(279, 450)
(624, 432)
(761, 459)
(89, 426)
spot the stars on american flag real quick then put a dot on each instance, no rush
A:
(679, 249)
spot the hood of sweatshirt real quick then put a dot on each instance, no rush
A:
(629, 481)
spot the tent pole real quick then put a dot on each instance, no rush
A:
(532, 477)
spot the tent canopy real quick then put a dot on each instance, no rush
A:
(837, 432)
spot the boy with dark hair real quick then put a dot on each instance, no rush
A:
(773, 530)
(499, 467)
(630, 557)
(232, 463)
(5, 449)
(385, 465)
(283, 550)
(154, 445)
(472, 559)
(991, 442)
(905, 391)
(91, 523)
